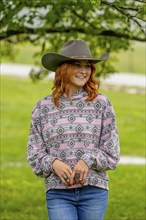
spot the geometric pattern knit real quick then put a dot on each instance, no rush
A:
(75, 130)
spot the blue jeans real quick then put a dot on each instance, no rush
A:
(85, 203)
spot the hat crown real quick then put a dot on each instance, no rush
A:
(76, 48)
(71, 51)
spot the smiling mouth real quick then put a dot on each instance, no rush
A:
(80, 76)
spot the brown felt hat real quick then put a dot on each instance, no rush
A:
(72, 50)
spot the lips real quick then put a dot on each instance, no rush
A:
(80, 76)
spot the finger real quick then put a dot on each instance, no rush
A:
(81, 176)
(78, 177)
(63, 180)
(67, 180)
(68, 173)
(66, 176)
(72, 178)
(63, 177)
(84, 178)
(70, 170)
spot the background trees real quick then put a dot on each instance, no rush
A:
(106, 25)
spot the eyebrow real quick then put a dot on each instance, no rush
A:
(88, 62)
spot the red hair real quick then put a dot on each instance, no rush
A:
(61, 83)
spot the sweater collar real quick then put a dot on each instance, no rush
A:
(78, 94)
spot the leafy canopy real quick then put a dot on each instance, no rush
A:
(105, 25)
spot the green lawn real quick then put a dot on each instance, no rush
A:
(131, 61)
(23, 54)
(130, 114)
(22, 193)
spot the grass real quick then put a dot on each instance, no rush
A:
(22, 193)
(131, 61)
(130, 114)
(127, 193)
(24, 53)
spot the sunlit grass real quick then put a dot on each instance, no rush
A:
(23, 194)
(133, 60)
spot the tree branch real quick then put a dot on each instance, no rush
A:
(120, 35)
(84, 19)
(127, 8)
(10, 15)
(141, 1)
(27, 30)
(94, 32)
(119, 8)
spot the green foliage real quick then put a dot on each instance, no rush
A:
(105, 25)
(22, 193)
(93, 2)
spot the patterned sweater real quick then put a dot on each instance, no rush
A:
(75, 130)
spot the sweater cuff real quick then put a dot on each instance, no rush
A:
(47, 164)
(88, 159)
(51, 165)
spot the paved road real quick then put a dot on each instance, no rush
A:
(132, 160)
(119, 79)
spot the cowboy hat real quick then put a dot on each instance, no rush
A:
(72, 50)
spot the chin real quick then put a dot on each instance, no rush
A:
(81, 85)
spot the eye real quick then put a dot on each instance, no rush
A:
(88, 66)
(77, 65)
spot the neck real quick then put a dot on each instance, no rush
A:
(75, 90)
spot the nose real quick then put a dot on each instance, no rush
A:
(83, 69)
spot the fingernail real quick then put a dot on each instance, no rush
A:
(69, 185)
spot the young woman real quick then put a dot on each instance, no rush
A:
(73, 138)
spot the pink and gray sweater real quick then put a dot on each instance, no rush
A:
(75, 130)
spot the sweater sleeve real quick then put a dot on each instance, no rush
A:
(37, 155)
(106, 155)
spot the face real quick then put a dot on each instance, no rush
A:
(80, 75)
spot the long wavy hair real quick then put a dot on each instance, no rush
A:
(61, 83)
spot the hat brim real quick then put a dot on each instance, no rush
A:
(51, 61)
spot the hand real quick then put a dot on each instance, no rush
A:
(62, 170)
(81, 168)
